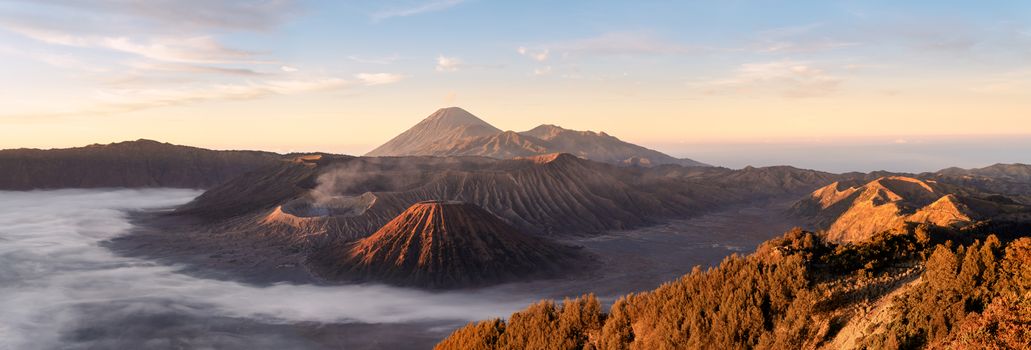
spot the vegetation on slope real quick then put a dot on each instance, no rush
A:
(798, 291)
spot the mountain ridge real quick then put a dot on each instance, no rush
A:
(133, 164)
(453, 131)
(853, 211)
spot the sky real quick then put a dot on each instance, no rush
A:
(809, 83)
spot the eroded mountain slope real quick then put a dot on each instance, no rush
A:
(349, 198)
(446, 244)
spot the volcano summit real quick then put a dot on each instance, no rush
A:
(454, 131)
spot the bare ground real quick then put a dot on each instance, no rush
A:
(629, 261)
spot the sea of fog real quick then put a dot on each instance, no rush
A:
(60, 288)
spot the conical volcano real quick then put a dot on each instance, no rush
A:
(440, 131)
(454, 131)
(448, 244)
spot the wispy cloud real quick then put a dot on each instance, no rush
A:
(195, 49)
(178, 15)
(375, 60)
(625, 43)
(201, 49)
(1015, 82)
(176, 54)
(800, 38)
(128, 97)
(944, 42)
(792, 79)
(449, 64)
(539, 55)
(112, 101)
(927, 36)
(379, 78)
(192, 68)
(59, 60)
(454, 64)
(431, 6)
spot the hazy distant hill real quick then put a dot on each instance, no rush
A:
(1013, 180)
(455, 132)
(1012, 172)
(141, 163)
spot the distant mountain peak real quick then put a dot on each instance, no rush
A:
(550, 131)
(545, 131)
(453, 131)
(440, 131)
(455, 116)
(545, 128)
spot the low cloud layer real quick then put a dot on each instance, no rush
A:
(60, 289)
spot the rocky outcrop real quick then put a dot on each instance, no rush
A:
(141, 163)
(850, 212)
(445, 244)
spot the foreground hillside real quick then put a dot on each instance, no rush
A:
(926, 287)
(132, 164)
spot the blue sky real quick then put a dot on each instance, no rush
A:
(344, 76)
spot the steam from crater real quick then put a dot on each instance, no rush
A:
(356, 177)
